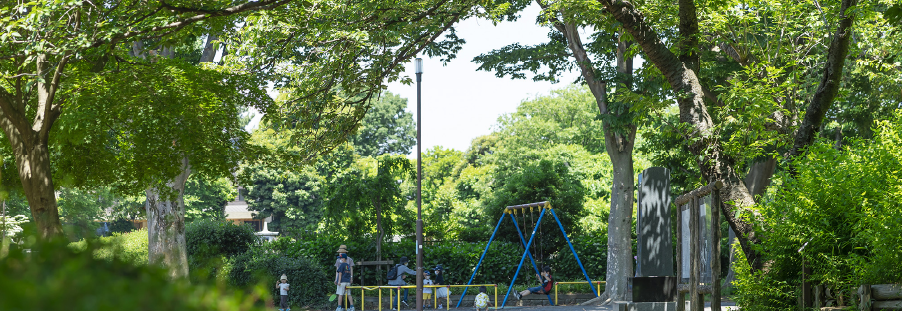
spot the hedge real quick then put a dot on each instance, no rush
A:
(458, 258)
(210, 243)
(262, 266)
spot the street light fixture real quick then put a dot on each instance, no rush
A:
(419, 246)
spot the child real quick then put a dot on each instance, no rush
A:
(442, 292)
(427, 291)
(282, 286)
(547, 283)
(482, 300)
(343, 280)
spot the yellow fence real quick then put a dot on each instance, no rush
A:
(597, 286)
(396, 288)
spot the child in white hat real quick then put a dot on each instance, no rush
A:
(282, 285)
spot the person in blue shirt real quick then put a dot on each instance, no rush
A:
(399, 280)
(342, 281)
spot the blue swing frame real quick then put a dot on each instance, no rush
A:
(545, 206)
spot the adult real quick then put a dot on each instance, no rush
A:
(399, 280)
(344, 250)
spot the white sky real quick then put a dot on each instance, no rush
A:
(460, 103)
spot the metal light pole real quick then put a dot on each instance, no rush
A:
(419, 246)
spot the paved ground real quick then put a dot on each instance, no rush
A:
(725, 305)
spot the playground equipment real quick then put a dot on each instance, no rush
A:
(544, 207)
(393, 288)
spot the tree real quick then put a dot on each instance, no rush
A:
(369, 194)
(206, 198)
(49, 35)
(682, 71)
(293, 198)
(41, 40)
(82, 209)
(387, 128)
(620, 113)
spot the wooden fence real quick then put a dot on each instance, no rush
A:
(880, 297)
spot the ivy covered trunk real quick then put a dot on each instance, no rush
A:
(166, 224)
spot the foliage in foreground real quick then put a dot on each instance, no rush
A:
(55, 277)
(844, 208)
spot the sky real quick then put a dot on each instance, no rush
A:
(460, 103)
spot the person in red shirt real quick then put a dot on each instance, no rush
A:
(547, 284)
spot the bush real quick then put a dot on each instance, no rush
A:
(122, 225)
(209, 243)
(129, 247)
(214, 237)
(56, 278)
(845, 207)
(459, 259)
(262, 266)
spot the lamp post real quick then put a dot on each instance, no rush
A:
(419, 246)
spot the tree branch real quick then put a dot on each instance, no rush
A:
(246, 7)
(830, 82)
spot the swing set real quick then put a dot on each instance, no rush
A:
(543, 208)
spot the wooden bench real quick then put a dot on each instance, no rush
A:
(880, 297)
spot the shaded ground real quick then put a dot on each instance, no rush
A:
(725, 305)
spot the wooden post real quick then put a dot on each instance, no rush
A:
(819, 296)
(694, 256)
(681, 297)
(807, 302)
(864, 298)
(715, 252)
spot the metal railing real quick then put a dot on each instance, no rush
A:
(597, 286)
(396, 288)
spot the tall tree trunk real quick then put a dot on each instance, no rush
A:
(620, 254)
(713, 163)
(757, 181)
(619, 146)
(166, 224)
(34, 172)
(29, 142)
(380, 235)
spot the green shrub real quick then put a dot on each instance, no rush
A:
(263, 266)
(845, 206)
(56, 278)
(459, 259)
(130, 247)
(206, 237)
(761, 291)
(210, 243)
(122, 225)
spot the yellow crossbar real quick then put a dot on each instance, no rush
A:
(363, 289)
(597, 285)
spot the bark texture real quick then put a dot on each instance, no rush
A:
(713, 163)
(166, 224)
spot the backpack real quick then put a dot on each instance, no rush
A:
(392, 274)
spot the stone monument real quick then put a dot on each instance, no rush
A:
(655, 285)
